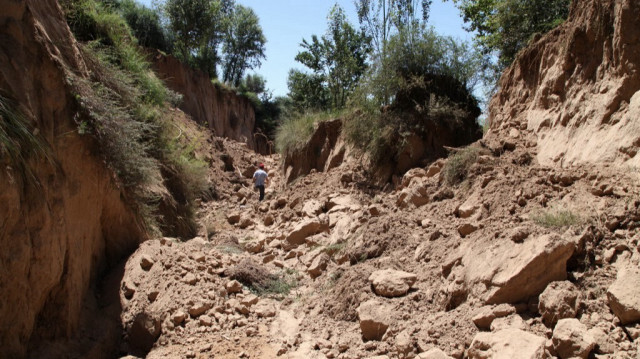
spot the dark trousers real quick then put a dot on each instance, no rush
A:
(261, 188)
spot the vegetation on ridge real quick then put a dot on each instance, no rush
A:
(123, 106)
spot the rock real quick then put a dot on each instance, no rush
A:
(146, 262)
(128, 289)
(245, 222)
(375, 318)
(507, 344)
(268, 220)
(435, 168)
(233, 286)
(519, 234)
(604, 342)
(485, 316)
(558, 301)
(249, 300)
(391, 283)
(468, 208)
(571, 339)
(624, 295)
(374, 210)
(318, 265)
(513, 321)
(403, 343)
(205, 321)
(434, 353)
(198, 308)
(417, 196)
(306, 229)
(312, 208)
(264, 309)
(254, 246)
(144, 331)
(410, 175)
(467, 228)
(510, 272)
(233, 217)
(190, 279)
(178, 317)
(199, 257)
(445, 193)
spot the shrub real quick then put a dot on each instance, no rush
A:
(457, 167)
(279, 286)
(556, 218)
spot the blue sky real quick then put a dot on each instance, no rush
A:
(286, 22)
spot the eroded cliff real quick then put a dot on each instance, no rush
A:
(59, 232)
(575, 92)
(227, 114)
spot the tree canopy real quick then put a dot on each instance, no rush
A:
(505, 26)
(335, 63)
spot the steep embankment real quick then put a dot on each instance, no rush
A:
(227, 114)
(575, 92)
(58, 235)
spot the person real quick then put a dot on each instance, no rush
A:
(260, 178)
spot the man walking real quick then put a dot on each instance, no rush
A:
(260, 178)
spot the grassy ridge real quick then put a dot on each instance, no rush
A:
(123, 106)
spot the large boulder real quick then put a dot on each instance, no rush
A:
(571, 339)
(507, 344)
(558, 301)
(624, 295)
(306, 229)
(375, 318)
(391, 283)
(508, 272)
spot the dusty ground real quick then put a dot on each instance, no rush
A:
(285, 278)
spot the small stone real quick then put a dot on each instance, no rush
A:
(190, 278)
(199, 257)
(392, 283)
(233, 217)
(233, 287)
(205, 320)
(318, 265)
(249, 300)
(146, 262)
(198, 309)
(178, 317)
(467, 228)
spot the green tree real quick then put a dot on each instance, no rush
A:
(382, 19)
(336, 61)
(198, 27)
(146, 25)
(244, 44)
(503, 27)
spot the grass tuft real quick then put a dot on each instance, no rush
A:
(295, 132)
(18, 144)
